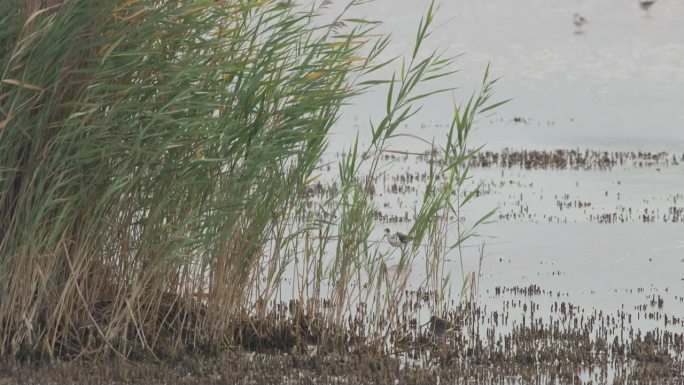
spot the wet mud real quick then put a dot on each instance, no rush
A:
(525, 343)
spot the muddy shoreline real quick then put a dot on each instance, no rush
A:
(358, 367)
(521, 345)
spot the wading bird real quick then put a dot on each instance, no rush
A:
(646, 5)
(397, 239)
(579, 21)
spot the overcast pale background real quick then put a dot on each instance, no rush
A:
(619, 83)
(618, 86)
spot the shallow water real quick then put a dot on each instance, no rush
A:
(602, 245)
(605, 239)
(618, 86)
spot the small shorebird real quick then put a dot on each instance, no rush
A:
(579, 21)
(397, 239)
(646, 5)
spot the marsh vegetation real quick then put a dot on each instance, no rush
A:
(165, 200)
(155, 157)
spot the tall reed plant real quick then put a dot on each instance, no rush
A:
(153, 162)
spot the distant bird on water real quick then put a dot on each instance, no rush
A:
(646, 5)
(579, 22)
(397, 239)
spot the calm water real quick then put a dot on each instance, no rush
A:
(619, 85)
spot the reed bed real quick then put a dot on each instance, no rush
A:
(154, 159)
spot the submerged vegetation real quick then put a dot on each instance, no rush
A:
(154, 163)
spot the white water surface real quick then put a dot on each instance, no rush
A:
(618, 85)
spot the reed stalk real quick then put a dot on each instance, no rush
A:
(154, 159)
